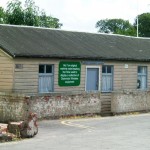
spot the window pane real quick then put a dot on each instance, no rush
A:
(141, 69)
(107, 78)
(48, 68)
(107, 83)
(142, 77)
(45, 84)
(109, 69)
(103, 69)
(144, 70)
(138, 83)
(104, 85)
(143, 82)
(41, 68)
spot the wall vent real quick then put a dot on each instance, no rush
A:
(18, 66)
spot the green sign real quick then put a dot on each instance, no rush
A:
(69, 73)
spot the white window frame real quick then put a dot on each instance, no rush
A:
(99, 77)
(47, 74)
(108, 74)
(143, 74)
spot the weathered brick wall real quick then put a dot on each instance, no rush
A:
(130, 100)
(64, 104)
(12, 107)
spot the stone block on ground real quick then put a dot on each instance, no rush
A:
(24, 129)
(4, 135)
(3, 127)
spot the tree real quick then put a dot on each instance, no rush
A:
(14, 13)
(2, 15)
(29, 15)
(49, 21)
(143, 24)
(116, 26)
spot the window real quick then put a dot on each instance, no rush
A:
(142, 77)
(107, 78)
(46, 78)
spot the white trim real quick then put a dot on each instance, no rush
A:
(99, 77)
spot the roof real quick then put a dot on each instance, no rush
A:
(22, 41)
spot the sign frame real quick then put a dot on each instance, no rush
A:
(69, 73)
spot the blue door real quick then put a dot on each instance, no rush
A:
(92, 79)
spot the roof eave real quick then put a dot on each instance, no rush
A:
(7, 51)
(81, 57)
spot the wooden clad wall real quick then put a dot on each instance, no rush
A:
(26, 78)
(6, 72)
(148, 73)
(126, 77)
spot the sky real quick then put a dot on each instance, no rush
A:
(82, 15)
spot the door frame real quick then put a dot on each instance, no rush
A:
(99, 77)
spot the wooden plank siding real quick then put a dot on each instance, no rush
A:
(26, 79)
(126, 78)
(6, 72)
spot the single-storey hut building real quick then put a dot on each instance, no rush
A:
(41, 60)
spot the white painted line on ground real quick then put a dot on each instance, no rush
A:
(72, 124)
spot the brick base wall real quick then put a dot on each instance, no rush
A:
(63, 104)
(14, 107)
(130, 101)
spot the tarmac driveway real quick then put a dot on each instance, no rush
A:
(130, 132)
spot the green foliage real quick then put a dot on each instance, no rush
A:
(2, 15)
(29, 15)
(115, 26)
(14, 13)
(143, 24)
(48, 21)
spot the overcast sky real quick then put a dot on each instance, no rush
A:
(82, 15)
